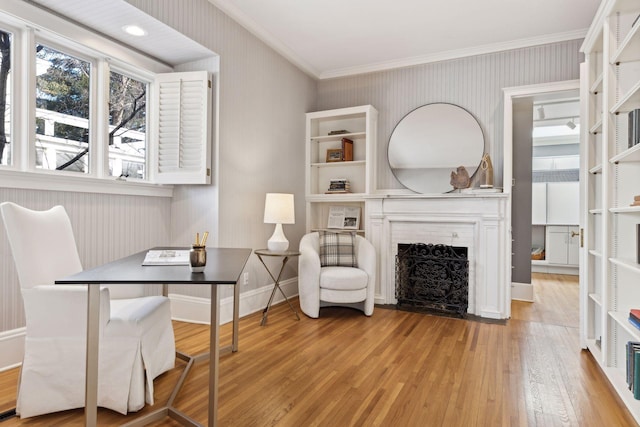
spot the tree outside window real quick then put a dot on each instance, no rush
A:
(127, 126)
(5, 96)
(62, 107)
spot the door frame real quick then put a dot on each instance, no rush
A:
(524, 291)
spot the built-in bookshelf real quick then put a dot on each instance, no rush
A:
(611, 273)
(339, 162)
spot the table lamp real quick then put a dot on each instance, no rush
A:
(278, 210)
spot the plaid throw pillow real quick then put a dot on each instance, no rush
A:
(337, 249)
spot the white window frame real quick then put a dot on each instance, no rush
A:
(28, 24)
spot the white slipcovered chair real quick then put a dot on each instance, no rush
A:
(336, 269)
(136, 335)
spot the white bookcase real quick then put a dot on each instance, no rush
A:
(361, 125)
(610, 90)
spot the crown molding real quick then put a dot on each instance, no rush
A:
(257, 30)
(456, 54)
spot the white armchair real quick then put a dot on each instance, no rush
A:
(334, 285)
(136, 342)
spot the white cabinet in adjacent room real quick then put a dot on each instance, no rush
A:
(562, 245)
(563, 203)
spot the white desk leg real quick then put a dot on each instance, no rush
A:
(214, 355)
(93, 335)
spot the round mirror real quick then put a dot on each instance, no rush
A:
(431, 142)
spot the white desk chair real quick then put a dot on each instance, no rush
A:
(136, 333)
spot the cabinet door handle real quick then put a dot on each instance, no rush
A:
(574, 234)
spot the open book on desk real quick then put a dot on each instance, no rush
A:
(167, 257)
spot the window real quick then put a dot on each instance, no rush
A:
(127, 126)
(62, 109)
(5, 96)
(88, 109)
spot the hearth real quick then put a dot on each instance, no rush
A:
(432, 278)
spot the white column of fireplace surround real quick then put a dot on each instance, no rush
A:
(473, 221)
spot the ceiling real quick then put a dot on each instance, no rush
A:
(331, 38)
(108, 17)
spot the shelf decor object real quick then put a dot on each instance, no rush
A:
(347, 150)
(278, 210)
(334, 155)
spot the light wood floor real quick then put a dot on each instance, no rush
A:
(394, 369)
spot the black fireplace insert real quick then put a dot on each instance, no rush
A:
(432, 278)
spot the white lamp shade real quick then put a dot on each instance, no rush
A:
(279, 209)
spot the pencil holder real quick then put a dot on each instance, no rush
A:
(197, 258)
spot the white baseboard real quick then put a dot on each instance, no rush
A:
(11, 348)
(522, 291)
(183, 307)
(198, 310)
(555, 269)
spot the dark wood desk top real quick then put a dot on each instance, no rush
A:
(224, 266)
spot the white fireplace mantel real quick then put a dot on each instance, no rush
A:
(476, 221)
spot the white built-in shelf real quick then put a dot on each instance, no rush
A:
(596, 87)
(624, 6)
(339, 164)
(626, 263)
(337, 137)
(629, 49)
(595, 211)
(596, 298)
(596, 169)
(630, 155)
(597, 127)
(623, 320)
(626, 209)
(594, 349)
(338, 230)
(617, 378)
(340, 197)
(595, 253)
(629, 101)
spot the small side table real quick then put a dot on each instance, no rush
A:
(286, 255)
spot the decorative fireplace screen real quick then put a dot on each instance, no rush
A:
(432, 278)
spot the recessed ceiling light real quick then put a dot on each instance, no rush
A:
(134, 30)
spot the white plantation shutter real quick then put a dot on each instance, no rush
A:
(183, 126)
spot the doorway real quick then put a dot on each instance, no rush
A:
(555, 182)
(522, 115)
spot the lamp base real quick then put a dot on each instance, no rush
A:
(278, 242)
